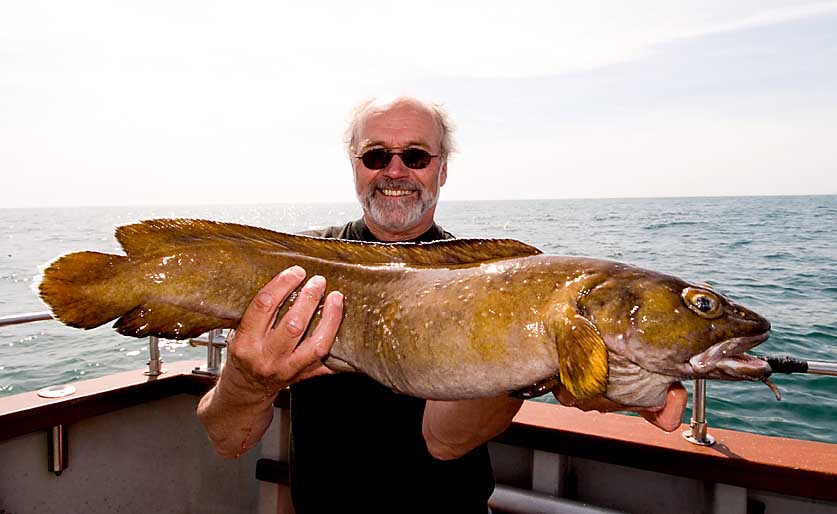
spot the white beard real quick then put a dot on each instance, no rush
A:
(397, 213)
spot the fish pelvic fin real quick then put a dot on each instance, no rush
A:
(163, 234)
(79, 289)
(538, 389)
(582, 353)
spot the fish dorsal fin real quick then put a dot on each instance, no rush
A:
(152, 236)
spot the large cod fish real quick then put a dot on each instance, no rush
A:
(447, 320)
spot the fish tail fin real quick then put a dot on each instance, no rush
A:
(79, 289)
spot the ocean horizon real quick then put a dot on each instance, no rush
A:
(442, 202)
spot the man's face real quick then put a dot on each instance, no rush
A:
(398, 199)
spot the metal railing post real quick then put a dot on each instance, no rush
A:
(213, 351)
(215, 341)
(155, 363)
(697, 428)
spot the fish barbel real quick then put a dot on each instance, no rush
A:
(455, 319)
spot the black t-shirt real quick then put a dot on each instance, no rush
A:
(357, 446)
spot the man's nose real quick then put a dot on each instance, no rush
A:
(396, 168)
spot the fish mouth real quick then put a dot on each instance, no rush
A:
(727, 360)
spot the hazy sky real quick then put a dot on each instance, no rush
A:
(197, 102)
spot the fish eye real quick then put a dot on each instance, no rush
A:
(702, 302)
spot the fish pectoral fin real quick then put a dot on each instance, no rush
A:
(582, 355)
(167, 321)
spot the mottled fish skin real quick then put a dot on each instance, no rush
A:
(450, 320)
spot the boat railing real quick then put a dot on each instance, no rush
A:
(19, 319)
(216, 340)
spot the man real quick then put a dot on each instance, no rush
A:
(356, 445)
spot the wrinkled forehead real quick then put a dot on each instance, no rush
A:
(400, 124)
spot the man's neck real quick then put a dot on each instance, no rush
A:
(394, 237)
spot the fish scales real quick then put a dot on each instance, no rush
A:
(449, 320)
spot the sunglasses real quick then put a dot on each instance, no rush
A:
(379, 158)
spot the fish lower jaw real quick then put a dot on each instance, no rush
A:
(734, 367)
(709, 360)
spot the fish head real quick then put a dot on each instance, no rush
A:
(732, 330)
(673, 327)
(669, 330)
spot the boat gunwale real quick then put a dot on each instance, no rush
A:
(789, 466)
(27, 412)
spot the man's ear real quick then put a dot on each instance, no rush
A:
(443, 174)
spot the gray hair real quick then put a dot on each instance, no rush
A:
(446, 144)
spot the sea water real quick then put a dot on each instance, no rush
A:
(775, 255)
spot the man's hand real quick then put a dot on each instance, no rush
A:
(264, 357)
(269, 357)
(668, 417)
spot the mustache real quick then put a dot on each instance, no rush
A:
(389, 183)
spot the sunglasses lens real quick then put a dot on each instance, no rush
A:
(376, 159)
(416, 158)
(379, 158)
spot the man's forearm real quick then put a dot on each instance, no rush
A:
(235, 418)
(265, 355)
(452, 429)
